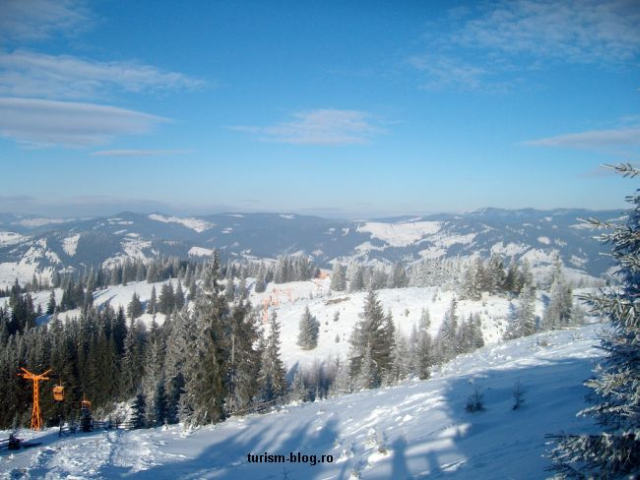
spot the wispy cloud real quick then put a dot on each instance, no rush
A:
(577, 31)
(444, 71)
(319, 127)
(29, 74)
(37, 20)
(508, 38)
(35, 87)
(52, 123)
(139, 153)
(592, 139)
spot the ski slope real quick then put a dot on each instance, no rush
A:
(417, 430)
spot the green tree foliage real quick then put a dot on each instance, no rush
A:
(614, 452)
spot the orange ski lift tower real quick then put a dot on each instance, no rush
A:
(36, 414)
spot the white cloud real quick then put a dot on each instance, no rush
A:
(443, 71)
(139, 153)
(48, 123)
(592, 140)
(507, 38)
(29, 74)
(37, 20)
(575, 31)
(319, 127)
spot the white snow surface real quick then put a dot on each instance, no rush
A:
(11, 238)
(70, 245)
(192, 223)
(400, 234)
(425, 430)
(200, 252)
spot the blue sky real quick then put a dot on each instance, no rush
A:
(346, 109)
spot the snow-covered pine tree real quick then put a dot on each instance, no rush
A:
(615, 451)
(243, 364)
(134, 309)
(447, 335)
(559, 310)
(309, 330)
(51, 305)
(372, 335)
(338, 280)
(178, 297)
(261, 283)
(131, 364)
(205, 370)
(179, 348)
(273, 383)
(151, 305)
(524, 323)
(139, 412)
(401, 358)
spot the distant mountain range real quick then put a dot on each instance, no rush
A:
(30, 244)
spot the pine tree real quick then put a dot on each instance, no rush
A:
(131, 364)
(372, 334)
(558, 313)
(615, 451)
(447, 336)
(309, 330)
(178, 297)
(338, 281)
(152, 305)
(139, 412)
(134, 309)
(51, 305)
(261, 283)
(524, 323)
(205, 370)
(273, 383)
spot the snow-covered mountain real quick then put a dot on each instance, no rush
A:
(32, 244)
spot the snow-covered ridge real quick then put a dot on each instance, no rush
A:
(11, 238)
(192, 223)
(200, 252)
(70, 245)
(400, 234)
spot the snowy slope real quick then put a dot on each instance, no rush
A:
(427, 433)
(405, 304)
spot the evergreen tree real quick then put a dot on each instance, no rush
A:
(558, 313)
(261, 283)
(139, 412)
(131, 364)
(373, 334)
(447, 336)
(167, 299)
(524, 323)
(615, 451)
(151, 306)
(338, 280)
(51, 305)
(205, 371)
(178, 297)
(273, 383)
(309, 330)
(134, 309)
